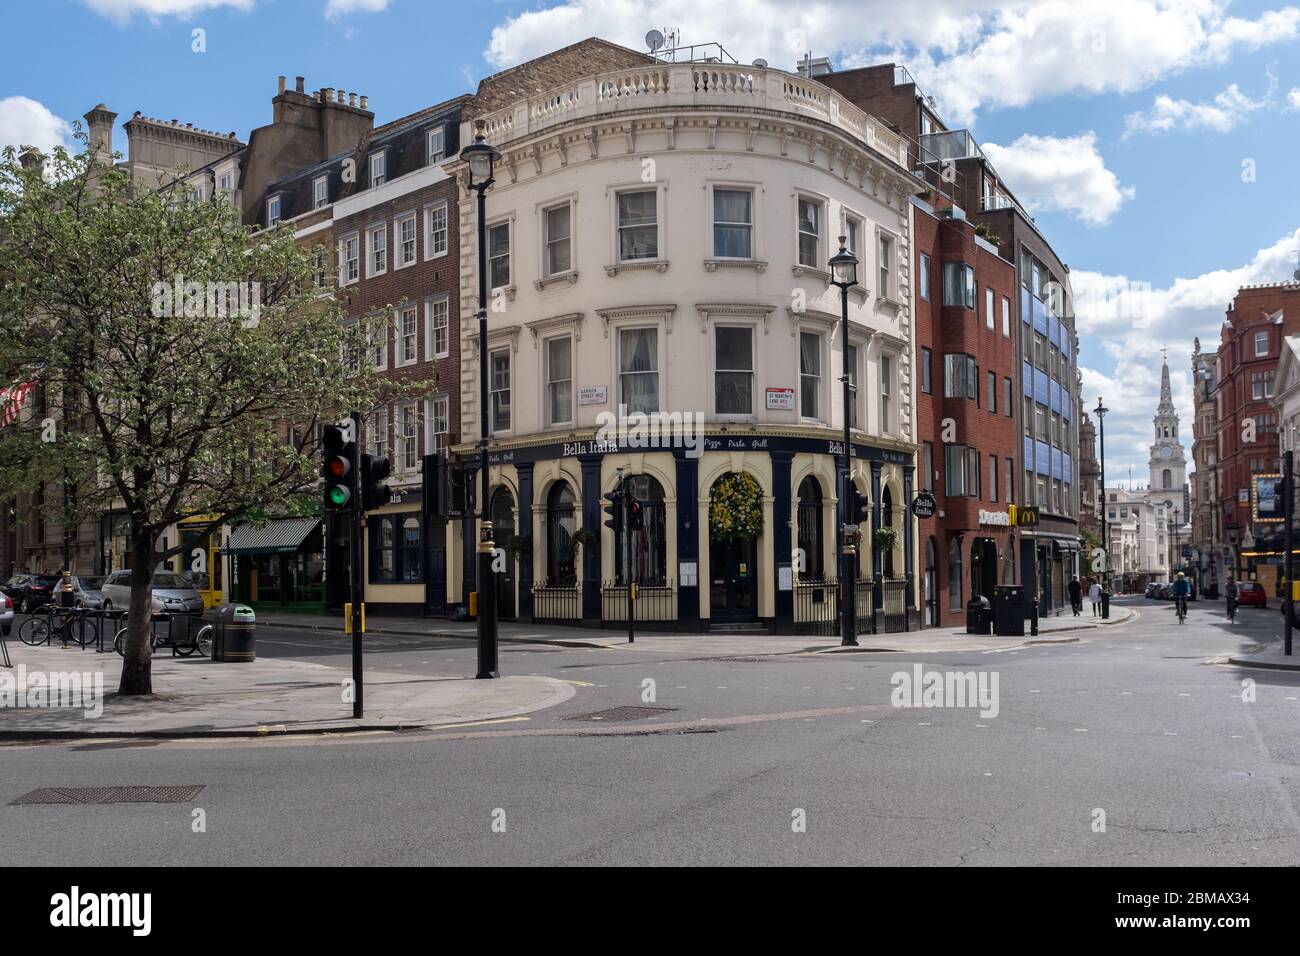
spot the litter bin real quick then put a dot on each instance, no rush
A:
(234, 634)
(1010, 608)
(1105, 603)
(979, 615)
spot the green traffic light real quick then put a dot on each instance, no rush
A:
(338, 495)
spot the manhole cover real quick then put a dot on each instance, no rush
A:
(87, 795)
(623, 713)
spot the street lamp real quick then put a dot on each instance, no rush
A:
(480, 158)
(844, 275)
(1100, 412)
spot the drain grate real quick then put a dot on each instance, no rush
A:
(89, 795)
(623, 713)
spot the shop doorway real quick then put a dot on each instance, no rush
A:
(503, 529)
(983, 566)
(733, 578)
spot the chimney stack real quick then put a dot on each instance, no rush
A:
(352, 100)
(99, 131)
(365, 103)
(298, 82)
(281, 83)
(32, 158)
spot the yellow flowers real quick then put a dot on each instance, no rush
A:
(735, 507)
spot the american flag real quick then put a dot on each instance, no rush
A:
(12, 400)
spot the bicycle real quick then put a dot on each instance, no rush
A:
(1180, 604)
(200, 641)
(72, 624)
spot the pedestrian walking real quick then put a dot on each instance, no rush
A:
(1232, 599)
(1076, 596)
(1094, 595)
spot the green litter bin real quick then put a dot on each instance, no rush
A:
(234, 637)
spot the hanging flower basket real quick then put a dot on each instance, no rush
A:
(735, 508)
(583, 538)
(884, 539)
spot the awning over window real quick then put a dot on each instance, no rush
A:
(286, 534)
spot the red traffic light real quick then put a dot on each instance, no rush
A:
(338, 467)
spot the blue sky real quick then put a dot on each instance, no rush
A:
(1123, 124)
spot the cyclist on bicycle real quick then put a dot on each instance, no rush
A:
(1182, 587)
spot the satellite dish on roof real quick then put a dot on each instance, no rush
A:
(760, 63)
(654, 40)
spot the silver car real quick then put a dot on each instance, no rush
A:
(172, 593)
(85, 592)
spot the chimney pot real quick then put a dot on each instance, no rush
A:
(365, 104)
(342, 97)
(298, 82)
(352, 99)
(281, 83)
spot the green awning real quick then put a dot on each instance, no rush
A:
(274, 537)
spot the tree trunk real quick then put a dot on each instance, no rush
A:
(137, 675)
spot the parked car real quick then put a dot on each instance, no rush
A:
(85, 591)
(6, 614)
(1152, 591)
(172, 593)
(1251, 593)
(30, 591)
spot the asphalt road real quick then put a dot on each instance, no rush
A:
(1138, 722)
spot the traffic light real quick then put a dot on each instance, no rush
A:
(859, 508)
(433, 497)
(635, 514)
(338, 469)
(374, 494)
(614, 510)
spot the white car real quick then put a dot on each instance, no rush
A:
(6, 614)
(172, 593)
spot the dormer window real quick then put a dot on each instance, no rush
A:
(378, 168)
(437, 145)
(320, 192)
(272, 211)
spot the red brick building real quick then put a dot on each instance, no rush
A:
(968, 410)
(1250, 344)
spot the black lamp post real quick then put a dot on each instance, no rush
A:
(844, 275)
(480, 157)
(1100, 412)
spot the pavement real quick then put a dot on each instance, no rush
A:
(197, 697)
(1057, 628)
(1270, 656)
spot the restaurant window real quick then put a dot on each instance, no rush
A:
(650, 543)
(811, 528)
(954, 575)
(561, 523)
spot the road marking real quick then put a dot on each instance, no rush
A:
(1171, 733)
(477, 723)
(1184, 695)
(924, 723)
(1080, 730)
(1126, 693)
(576, 683)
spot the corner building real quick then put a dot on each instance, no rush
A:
(658, 238)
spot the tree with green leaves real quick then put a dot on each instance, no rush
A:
(182, 361)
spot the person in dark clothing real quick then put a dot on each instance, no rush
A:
(1232, 599)
(1076, 596)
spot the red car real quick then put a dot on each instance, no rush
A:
(1251, 593)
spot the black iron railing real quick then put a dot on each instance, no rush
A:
(656, 605)
(893, 610)
(561, 605)
(816, 606)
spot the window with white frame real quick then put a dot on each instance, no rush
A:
(559, 381)
(1261, 344)
(988, 308)
(436, 145)
(558, 255)
(226, 183)
(499, 255)
(349, 259)
(405, 230)
(809, 226)
(379, 343)
(437, 315)
(377, 250)
(408, 335)
(319, 265)
(435, 230)
(378, 168)
(638, 369)
(810, 374)
(499, 385)
(272, 211)
(1006, 316)
(851, 368)
(320, 192)
(733, 223)
(638, 225)
(923, 278)
(352, 348)
(886, 393)
(852, 232)
(438, 418)
(733, 370)
(377, 433)
(408, 432)
(886, 289)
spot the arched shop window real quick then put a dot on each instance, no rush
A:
(395, 545)
(650, 542)
(887, 520)
(561, 522)
(954, 574)
(811, 533)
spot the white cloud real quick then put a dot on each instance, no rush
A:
(1061, 174)
(25, 122)
(123, 10)
(341, 8)
(1229, 108)
(1293, 98)
(1132, 338)
(969, 54)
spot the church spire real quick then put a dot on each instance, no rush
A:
(1166, 395)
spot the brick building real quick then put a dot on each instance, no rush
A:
(1250, 344)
